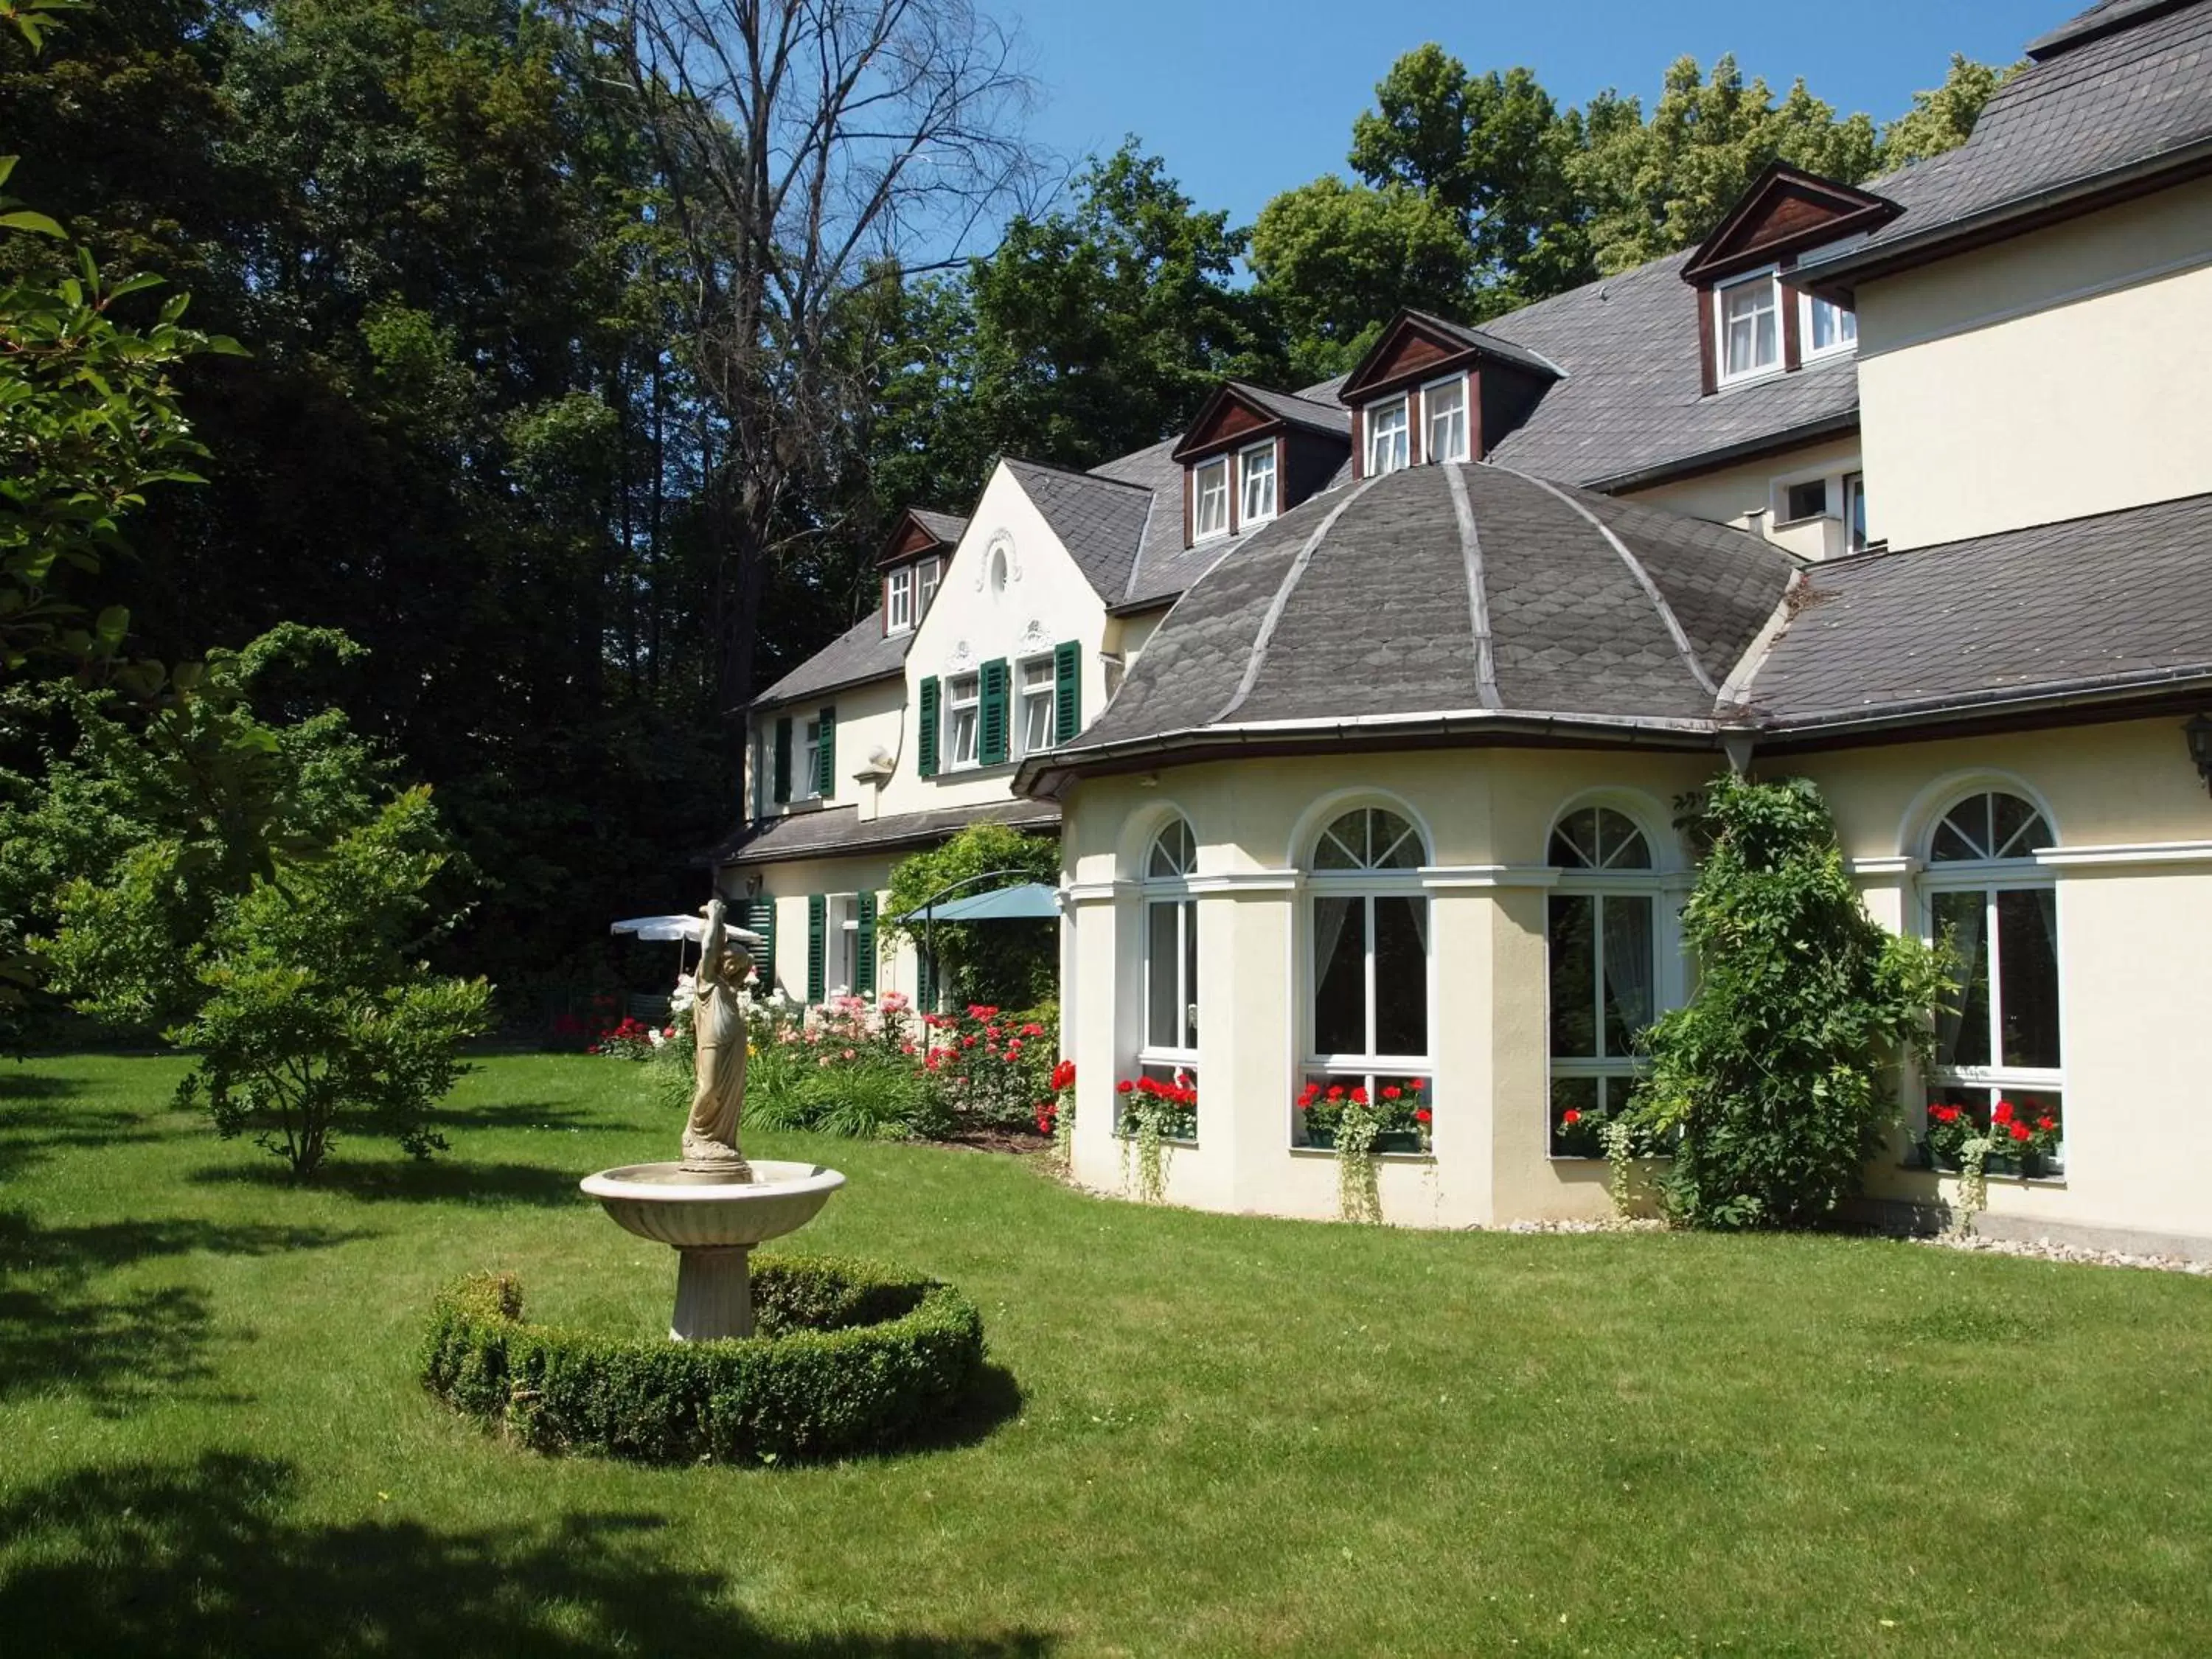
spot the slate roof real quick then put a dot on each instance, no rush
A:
(863, 652)
(1483, 340)
(1503, 594)
(1099, 520)
(2094, 103)
(837, 830)
(2105, 603)
(1633, 403)
(1331, 418)
(945, 527)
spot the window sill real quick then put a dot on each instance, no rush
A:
(2008, 1177)
(1298, 1150)
(1756, 377)
(1810, 518)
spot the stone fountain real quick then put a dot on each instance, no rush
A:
(713, 1207)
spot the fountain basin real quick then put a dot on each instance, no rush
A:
(713, 1225)
(673, 1206)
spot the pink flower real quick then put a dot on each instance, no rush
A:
(848, 1053)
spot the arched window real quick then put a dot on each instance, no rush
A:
(1368, 1023)
(1168, 1052)
(1603, 940)
(1998, 1061)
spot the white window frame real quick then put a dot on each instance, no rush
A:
(1723, 375)
(808, 785)
(1247, 517)
(956, 704)
(1173, 890)
(1462, 417)
(1989, 877)
(1855, 538)
(1664, 885)
(926, 576)
(1026, 694)
(841, 943)
(1806, 349)
(1367, 1070)
(1200, 489)
(1400, 406)
(898, 600)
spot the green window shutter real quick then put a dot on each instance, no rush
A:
(864, 948)
(760, 916)
(825, 756)
(1066, 691)
(783, 758)
(926, 735)
(991, 733)
(817, 947)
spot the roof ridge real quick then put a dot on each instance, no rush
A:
(1636, 568)
(1080, 477)
(1276, 606)
(1477, 595)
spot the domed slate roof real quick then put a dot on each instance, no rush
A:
(1466, 589)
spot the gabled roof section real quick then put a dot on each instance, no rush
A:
(1099, 520)
(1785, 211)
(2114, 604)
(862, 653)
(2101, 19)
(917, 532)
(2121, 107)
(1239, 411)
(1419, 343)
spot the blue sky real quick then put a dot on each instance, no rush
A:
(1244, 98)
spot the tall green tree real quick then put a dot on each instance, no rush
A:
(1943, 118)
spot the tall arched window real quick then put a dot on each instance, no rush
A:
(1367, 1024)
(1170, 1050)
(1998, 1061)
(1603, 938)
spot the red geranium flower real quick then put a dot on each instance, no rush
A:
(2003, 1113)
(1422, 1114)
(1390, 1092)
(1124, 1087)
(1570, 1116)
(2021, 1132)
(1359, 1097)
(2046, 1123)
(1336, 1092)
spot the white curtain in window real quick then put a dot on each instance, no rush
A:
(1628, 960)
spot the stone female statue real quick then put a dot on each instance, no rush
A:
(718, 1024)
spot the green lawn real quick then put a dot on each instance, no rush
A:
(1230, 1436)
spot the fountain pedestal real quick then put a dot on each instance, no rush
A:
(713, 1294)
(713, 1224)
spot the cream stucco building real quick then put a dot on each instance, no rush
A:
(1363, 711)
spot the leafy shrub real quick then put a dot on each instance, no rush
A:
(1769, 1084)
(991, 1069)
(1010, 963)
(849, 1358)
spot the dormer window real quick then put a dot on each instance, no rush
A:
(1444, 413)
(898, 600)
(1749, 327)
(927, 576)
(1256, 485)
(1389, 434)
(1827, 327)
(1209, 505)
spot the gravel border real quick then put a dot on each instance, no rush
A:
(2044, 1249)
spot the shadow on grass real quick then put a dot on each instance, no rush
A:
(520, 1114)
(60, 1333)
(436, 1181)
(206, 1557)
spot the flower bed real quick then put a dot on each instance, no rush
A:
(849, 1357)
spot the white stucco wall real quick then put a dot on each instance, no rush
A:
(2133, 874)
(2058, 373)
(1751, 495)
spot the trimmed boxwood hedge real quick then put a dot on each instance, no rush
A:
(848, 1357)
